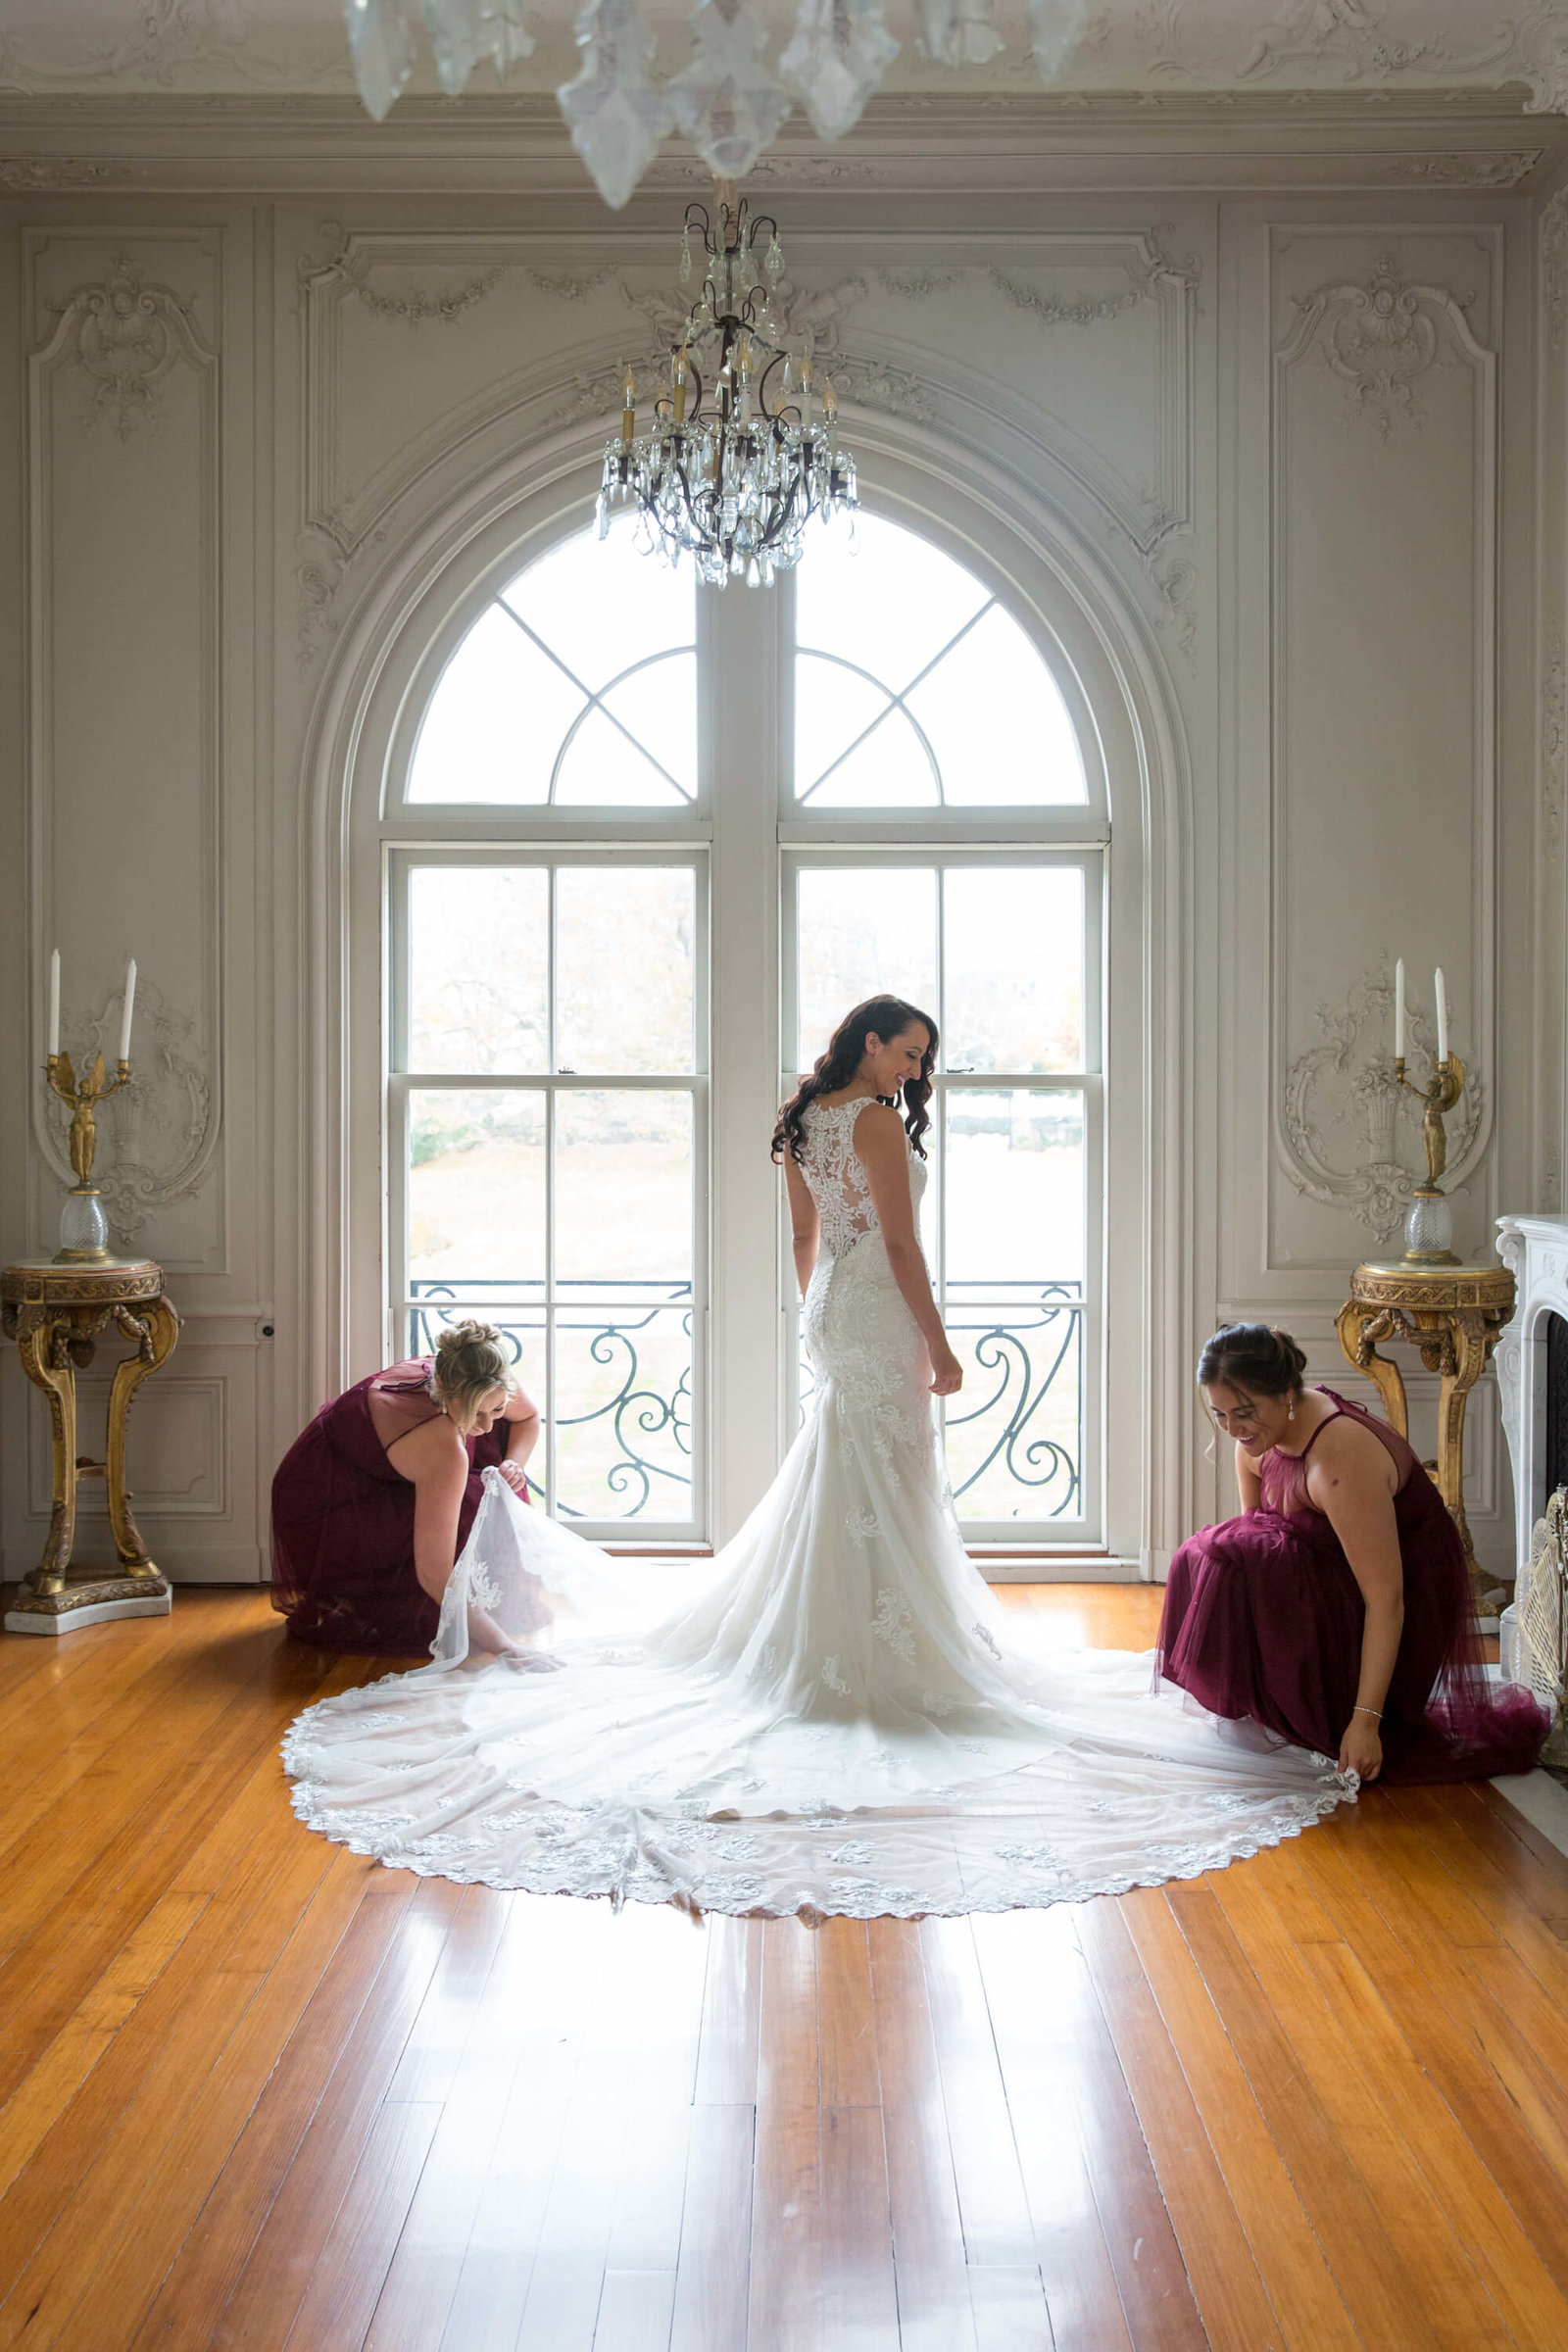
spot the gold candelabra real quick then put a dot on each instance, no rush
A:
(83, 1227)
(1429, 1224)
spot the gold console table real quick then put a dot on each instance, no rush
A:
(1454, 1315)
(55, 1314)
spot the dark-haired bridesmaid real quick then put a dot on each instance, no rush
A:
(1336, 1610)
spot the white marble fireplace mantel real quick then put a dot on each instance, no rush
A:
(1536, 1252)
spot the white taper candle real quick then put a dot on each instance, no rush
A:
(54, 1004)
(1398, 1009)
(124, 1018)
(1441, 995)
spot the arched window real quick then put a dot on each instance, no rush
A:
(924, 811)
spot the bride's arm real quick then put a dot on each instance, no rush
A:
(883, 1154)
(803, 1222)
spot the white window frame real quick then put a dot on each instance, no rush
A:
(401, 1081)
(741, 1392)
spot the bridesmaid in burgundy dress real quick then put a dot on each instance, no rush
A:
(373, 1504)
(1336, 1610)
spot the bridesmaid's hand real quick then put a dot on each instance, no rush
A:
(516, 1477)
(1361, 1750)
(947, 1373)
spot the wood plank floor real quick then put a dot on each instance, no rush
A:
(260, 2092)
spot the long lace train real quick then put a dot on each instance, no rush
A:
(838, 1723)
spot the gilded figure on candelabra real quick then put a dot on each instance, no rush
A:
(83, 1227)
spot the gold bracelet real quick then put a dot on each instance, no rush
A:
(1375, 1712)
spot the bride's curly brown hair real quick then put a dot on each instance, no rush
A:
(884, 1018)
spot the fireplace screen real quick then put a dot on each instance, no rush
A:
(1556, 1431)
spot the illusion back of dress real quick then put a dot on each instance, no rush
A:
(836, 1178)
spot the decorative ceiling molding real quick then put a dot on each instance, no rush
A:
(29, 175)
(942, 145)
(1129, 46)
(1467, 170)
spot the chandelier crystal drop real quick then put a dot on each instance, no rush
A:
(729, 101)
(744, 447)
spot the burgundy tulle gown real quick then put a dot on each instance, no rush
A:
(1263, 1618)
(343, 1522)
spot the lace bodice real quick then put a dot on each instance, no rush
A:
(836, 1178)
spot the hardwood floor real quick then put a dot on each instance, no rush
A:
(261, 2092)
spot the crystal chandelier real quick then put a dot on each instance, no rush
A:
(736, 461)
(727, 101)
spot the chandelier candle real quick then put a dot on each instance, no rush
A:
(732, 467)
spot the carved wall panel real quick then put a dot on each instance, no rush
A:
(123, 614)
(1383, 811)
(417, 344)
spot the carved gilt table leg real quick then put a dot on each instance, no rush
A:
(1360, 1328)
(40, 1336)
(1454, 1315)
(1471, 1343)
(154, 1332)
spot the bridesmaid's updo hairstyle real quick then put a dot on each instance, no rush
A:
(885, 1017)
(1253, 1357)
(470, 1364)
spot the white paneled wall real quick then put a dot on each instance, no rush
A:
(1282, 454)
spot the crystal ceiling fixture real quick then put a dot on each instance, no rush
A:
(728, 101)
(736, 461)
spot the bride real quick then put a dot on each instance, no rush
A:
(840, 1722)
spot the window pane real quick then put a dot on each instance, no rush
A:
(622, 1415)
(882, 596)
(861, 932)
(623, 1187)
(477, 968)
(600, 606)
(889, 769)
(1015, 940)
(477, 1186)
(834, 705)
(602, 764)
(1014, 1434)
(658, 704)
(997, 721)
(1013, 1198)
(495, 721)
(624, 966)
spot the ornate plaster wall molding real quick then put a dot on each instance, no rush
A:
(156, 1144)
(24, 175)
(125, 333)
(1554, 738)
(348, 266)
(1379, 339)
(1476, 169)
(1554, 235)
(1352, 1133)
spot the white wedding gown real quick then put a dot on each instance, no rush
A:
(838, 1723)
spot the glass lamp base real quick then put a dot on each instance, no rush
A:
(1429, 1230)
(83, 1230)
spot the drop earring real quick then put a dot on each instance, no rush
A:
(1290, 1411)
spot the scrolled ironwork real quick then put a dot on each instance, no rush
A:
(636, 1414)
